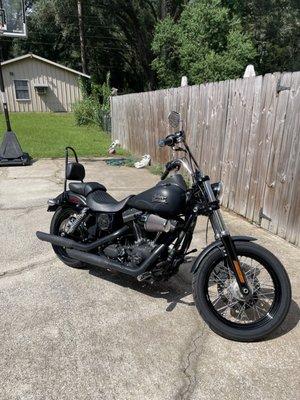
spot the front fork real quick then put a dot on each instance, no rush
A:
(221, 233)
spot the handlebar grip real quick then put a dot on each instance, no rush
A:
(168, 141)
(164, 175)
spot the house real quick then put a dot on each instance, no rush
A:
(33, 83)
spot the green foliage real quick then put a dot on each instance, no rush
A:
(206, 44)
(95, 105)
(86, 111)
(274, 26)
(106, 92)
(166, 45)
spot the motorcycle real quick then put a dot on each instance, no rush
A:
(241, 289)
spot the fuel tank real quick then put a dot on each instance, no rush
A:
(167, 198)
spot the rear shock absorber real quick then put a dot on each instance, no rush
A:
(78, 220)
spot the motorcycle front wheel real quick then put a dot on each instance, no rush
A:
(221, 304)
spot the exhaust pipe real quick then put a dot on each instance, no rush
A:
(71, 244)
(106, 263)
(79, 251)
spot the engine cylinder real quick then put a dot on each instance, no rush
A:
(154, 223)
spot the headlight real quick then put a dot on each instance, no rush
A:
(218, 189)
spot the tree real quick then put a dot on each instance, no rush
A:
(117, 38)
(274, 26)
(52, 32)
(206, 44)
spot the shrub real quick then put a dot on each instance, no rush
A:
(94, 108)
(85, 111)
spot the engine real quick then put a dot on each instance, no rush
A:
(148, 227)
(133, 254)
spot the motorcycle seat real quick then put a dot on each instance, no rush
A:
(85, 189)
(101, 201)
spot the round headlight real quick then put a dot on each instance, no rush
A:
(218, 189)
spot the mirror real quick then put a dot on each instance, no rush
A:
(174, 119)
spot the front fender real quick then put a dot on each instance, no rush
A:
(217, 244)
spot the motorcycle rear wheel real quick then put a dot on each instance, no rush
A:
(60, 215)
(221, 305)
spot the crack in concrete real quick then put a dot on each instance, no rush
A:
(189, 371)
(27, 268)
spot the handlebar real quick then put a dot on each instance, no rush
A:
(169, 167)
(164, 175)
(171, 139)
(188, 161)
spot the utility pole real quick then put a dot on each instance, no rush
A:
(81, 36)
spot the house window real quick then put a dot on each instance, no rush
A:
(22, 90)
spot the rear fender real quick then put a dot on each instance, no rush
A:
(217, 245)
(66, 198)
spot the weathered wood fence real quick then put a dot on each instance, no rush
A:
(245, 132)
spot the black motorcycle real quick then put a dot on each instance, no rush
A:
(240, 289)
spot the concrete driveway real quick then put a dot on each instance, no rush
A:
(85, 334)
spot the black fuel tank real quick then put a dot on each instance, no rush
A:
(167, 198)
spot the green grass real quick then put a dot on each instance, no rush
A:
(47, 134)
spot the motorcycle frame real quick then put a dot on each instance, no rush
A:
(202, 201)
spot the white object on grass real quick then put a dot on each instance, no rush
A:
(113, 146)
(146, 160)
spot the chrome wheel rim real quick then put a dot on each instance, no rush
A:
(228, 303)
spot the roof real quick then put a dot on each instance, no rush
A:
(30, 55)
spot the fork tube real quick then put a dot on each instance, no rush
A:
(218, 224)
(222, 233)
(235, 265)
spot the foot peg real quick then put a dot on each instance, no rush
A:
(146, 276)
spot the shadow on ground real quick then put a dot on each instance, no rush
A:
(173, 291)
(176, 289)
(289, 323)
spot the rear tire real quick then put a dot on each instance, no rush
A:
(61, 214)
(248, 332)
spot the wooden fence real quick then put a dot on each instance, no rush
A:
(244, 131)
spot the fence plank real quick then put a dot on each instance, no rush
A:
(241, 192)
(288, 158)
(272, 184)
(251, 155)
(240, 130)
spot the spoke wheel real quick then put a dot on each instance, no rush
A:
(226, 310)
(224, 295)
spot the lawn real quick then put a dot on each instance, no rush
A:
(47, 134)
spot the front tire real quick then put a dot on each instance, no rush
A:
(61, 215)
(224, 315)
